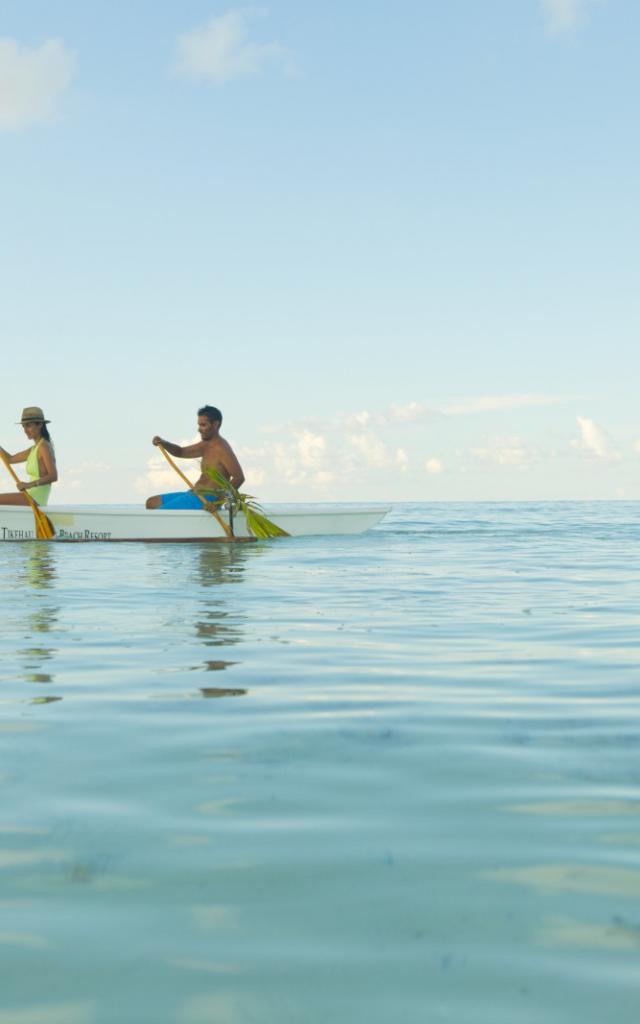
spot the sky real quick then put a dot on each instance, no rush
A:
(394, 241)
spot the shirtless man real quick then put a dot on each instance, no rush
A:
(213, 450)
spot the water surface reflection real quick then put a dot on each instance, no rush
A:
(38, 573)
(219, 691)
(217, 623)
(218, 618)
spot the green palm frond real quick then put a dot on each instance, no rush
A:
(257, 522)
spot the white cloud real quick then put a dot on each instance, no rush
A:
(221, 49)
(358, 419)
(259, 465)
(372, 449)
(254, 478)
(311, 448)
(594, 441)
(506, 452)
(32, 81)
(160, 478)
(495, 403)
(408, 413)
(564, 15)
(303, 461)
(286, 463)
(352, 422)
(402, 460)
(433, 466)
(299, 462)
(636, 446)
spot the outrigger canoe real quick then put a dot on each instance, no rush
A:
(128, 523)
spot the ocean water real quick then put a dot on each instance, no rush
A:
(392, 777)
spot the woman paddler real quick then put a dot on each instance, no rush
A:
(40, 460)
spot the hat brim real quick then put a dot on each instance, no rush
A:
(21, 423)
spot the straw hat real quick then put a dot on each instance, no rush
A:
(33, 414)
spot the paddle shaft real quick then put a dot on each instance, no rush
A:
(205, 504)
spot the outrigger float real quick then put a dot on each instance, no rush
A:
(125, 523)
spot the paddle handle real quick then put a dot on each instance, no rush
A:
(206, 504)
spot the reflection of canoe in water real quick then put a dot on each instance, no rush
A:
(122, 522)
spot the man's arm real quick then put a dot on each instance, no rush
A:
(190, 451)
(232, 467)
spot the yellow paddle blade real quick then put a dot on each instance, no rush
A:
(44, 526)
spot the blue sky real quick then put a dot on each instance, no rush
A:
(395, 242)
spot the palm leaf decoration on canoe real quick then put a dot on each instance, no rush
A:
(257, 522)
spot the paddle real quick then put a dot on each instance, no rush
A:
(206, 504)
(44, 526)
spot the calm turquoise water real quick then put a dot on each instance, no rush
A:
(384, 778)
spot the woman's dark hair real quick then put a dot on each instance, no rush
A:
(213, 415)
(45, 432)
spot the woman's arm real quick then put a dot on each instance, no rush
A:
(18, 457)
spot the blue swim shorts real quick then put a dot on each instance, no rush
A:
(184, 499)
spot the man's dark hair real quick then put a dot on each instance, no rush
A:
(213, 415)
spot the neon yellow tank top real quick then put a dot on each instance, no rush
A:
(39, 494)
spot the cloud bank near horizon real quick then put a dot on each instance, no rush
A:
(357, 452)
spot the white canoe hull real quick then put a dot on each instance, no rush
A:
(123, 523)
